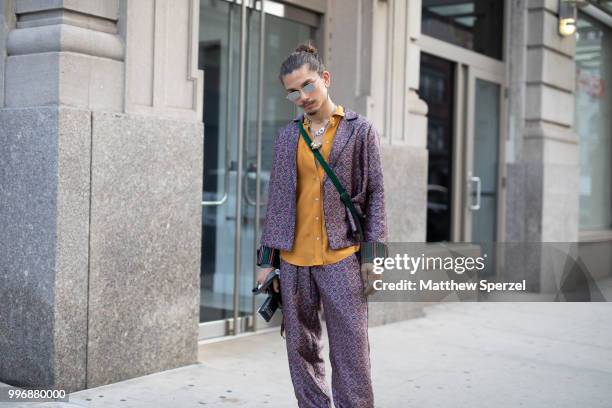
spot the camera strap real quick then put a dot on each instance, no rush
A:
(346, 199)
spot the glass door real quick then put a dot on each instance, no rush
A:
(483, 144)
(240, 52)
(483, 169)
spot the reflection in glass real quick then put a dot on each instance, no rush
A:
(282, 35)
(474, 24)
(436, 88)
(486, 145)
(604, 4)
(594, 122)
(219, 57)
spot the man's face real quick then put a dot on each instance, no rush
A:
(296, 80)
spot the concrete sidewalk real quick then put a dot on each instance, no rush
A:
(458, 355)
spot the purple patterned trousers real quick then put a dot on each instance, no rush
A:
(338, 287)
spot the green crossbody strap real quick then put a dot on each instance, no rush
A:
(346, 199)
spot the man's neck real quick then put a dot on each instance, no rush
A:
(324, 113)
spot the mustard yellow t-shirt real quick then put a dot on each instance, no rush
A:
(311, 246)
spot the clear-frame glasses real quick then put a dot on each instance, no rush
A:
(308, 88)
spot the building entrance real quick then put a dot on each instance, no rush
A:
(240, 52)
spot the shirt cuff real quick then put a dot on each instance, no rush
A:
(268, 257)
(371, 250)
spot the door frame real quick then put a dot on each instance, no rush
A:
(468, 64)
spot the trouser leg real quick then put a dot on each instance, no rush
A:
(301, 305)
(346, 316)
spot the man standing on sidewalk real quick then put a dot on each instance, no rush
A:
(311, 236)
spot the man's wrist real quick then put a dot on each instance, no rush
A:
(265, 266)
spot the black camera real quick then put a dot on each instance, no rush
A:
(273, 301)
(269, 306)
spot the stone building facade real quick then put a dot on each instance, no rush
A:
(134, 155)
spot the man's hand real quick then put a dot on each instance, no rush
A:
(368, 277)
(263, 274)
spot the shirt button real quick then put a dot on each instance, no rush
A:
(316, 198)
(317, 238)
(316, 218)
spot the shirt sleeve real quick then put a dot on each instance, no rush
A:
(375, 213)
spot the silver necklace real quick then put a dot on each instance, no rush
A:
(322, 130)
(317, 144)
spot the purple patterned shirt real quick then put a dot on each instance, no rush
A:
(355, 159)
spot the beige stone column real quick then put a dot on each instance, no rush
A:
(543, 155)
(101, 167)
(373, 53)
(542, 201)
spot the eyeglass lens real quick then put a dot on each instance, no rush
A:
(294, 96)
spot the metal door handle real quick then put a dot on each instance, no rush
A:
(223, 199)
(251, 169)
(478, 192)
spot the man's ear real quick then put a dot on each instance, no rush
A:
(326, 77)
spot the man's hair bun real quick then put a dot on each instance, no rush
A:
(304, 54)
(306, 47)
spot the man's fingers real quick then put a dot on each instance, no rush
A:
(365, 279)
(369, 277)
(275, 285)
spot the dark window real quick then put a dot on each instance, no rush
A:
(436, 88)
(476, 25)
